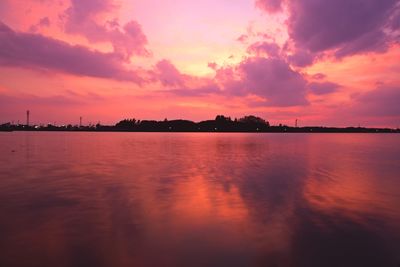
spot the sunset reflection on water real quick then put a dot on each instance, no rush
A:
(137, 199)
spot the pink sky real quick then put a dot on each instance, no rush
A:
(323, 62)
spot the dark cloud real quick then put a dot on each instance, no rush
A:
(395, 21)
(269, 78)
(346, 27)
(36, 51)
(302, 58)
(375, 41)
(319, 25)
(323, 88)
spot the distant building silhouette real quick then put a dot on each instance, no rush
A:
(27, 117)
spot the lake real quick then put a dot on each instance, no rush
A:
(199, 199)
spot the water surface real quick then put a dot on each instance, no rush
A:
(199, 199)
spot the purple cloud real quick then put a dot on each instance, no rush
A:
(375, 41)
(319, 25)
(80, 11)
(274, 80)
(395, 20)
(168, 74)
(302, 58)
(323, 88)
(269, 78)
(39, 52)
(346, 27)
(82, 18)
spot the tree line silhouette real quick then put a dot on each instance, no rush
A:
(221, 123)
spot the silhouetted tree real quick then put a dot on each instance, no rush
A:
(222, 118)
(253, 120)
(127, 123)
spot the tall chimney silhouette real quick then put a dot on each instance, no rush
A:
(27, 118)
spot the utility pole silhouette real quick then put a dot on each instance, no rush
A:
(296, 123)
(27, 118)
(80, 121)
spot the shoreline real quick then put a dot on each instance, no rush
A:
(300, 131)
(221, 124)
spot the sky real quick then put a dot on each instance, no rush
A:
(331, 63)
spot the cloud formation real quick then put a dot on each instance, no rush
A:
(264, 48)
(346, 27)
(168, 74)
(301, 58)
(323, 88)
(181, 84)
(88, 18)
(269, 78)
(36, 51)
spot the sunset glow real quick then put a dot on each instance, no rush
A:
(333, 63)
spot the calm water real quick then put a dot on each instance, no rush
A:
(155, 199)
